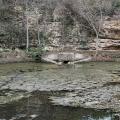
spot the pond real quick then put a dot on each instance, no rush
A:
(37, 91)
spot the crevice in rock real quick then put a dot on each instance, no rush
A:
(65, 62)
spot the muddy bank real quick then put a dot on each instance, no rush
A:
(90, 85)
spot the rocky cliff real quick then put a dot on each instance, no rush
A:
(56, 24)
(110, 40)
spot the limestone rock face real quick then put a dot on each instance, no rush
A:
(112, 29)
(110, 38)
(54, 33)
(54, 21)
(57, 24)
(65, 57)
(107, 44)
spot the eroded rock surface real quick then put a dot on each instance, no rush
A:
(110, 40)
(65, 57)
(111, 29)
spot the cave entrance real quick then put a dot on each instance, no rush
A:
(65, 62)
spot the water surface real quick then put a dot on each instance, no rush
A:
(37, 83)
(38, 107)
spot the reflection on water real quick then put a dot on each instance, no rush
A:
(38, 107)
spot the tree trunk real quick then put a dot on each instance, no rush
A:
(39, 42)
(97, 44)
(27, 44)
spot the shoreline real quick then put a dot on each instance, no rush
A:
(19, 56)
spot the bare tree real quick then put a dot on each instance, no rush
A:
(32, 20)
(91, 12)
(37, 15)
(27, 26)
(91, 15)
